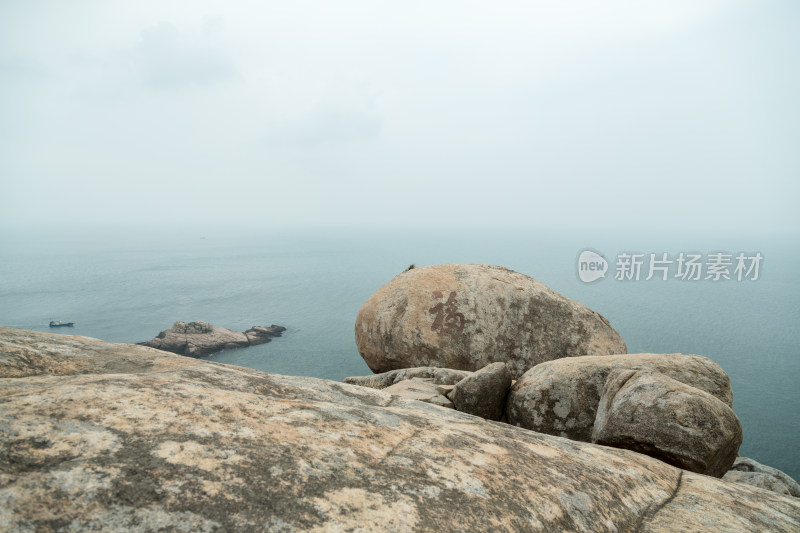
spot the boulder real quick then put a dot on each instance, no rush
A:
(467, 316)
(199, 339)
(419, 390)
(653, 414)
(750, 472)
(483, 393)
(175, 443)
(440, 376)
(561, 397)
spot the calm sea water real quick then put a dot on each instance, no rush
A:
(126, 287)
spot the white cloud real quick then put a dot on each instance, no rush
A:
(171, 59)
(386, 107)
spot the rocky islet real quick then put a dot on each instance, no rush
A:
(201, 339)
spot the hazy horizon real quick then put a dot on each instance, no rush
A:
(622, 115)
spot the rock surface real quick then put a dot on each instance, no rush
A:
(199, 339)
(263, 334)
(173, 443)
(440, 376)
(651, 413)
(467, 316)
(483, 393)
(419, 390)
(561, 397)
(751, 472)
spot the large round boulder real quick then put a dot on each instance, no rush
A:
(653, 414)
(561, 397)
(468, 316)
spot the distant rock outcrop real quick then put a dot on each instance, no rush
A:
(100, 436)
(467, 316)
(199, 339)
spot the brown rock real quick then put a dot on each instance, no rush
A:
(413, 390)
(200, 339)
(561, 397)
(263, 334)
(467, 316)
(483, 393)
(423, 391)
(204, 447)
(444, 390)
(653, 414)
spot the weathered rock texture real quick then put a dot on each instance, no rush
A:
(651, 413)
(423, 391)
(483, 393)
(750, 472)
(561, 397)
(440, 376)
(199, 339)
(467, 316)
(173, 443)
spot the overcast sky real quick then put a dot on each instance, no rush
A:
(435, 113)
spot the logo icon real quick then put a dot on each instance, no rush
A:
(591, 266)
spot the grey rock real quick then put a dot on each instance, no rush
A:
(561, 397)
(653, 414)
(263, 334)
(200, 339)
(751, 472)
(440, 376)
(413, 390)
(483, 393)
(416, 389)
(442, 401)
(467, 316)
(174, 443)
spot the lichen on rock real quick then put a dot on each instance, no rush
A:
(179, 443)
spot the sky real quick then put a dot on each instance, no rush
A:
(616, 114)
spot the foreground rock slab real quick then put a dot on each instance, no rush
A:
(654, 414)
(751, 472)
(182, 444)
(561, 397)
(200, 339)
(467, 316)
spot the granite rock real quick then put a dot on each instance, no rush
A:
(200, 339)
(561, 397)
(440, 376)
(467, 316)
(483, 393)
(651, 413)
(751, 472)
(96, 436)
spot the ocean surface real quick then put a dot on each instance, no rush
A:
(126, 286)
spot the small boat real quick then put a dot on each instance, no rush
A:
(54, 324)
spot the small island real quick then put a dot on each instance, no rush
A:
(201, 339)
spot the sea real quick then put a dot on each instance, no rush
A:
(126, 285)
